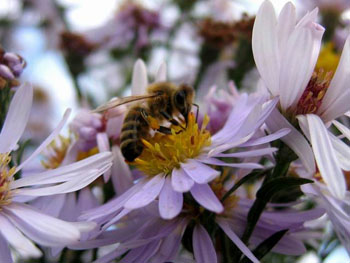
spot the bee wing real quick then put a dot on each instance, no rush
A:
(120, 101)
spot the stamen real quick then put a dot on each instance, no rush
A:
(164, 152)
(314, 93)
(6, 177)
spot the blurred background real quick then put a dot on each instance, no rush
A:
(80, 53)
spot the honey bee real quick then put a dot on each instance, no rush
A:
(162, 102)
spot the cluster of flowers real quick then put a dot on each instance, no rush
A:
(247, 175)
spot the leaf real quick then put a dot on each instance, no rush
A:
(264, 247)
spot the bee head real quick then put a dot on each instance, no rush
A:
(183, 99)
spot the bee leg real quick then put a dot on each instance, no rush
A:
(171, 119)
(164, 130)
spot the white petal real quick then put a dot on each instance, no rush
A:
(337, 107)
(294, 139)
(203, 248)
(121, 175)
(286, 24)
(298, 63)
(199, 172)
(203, 194)
(339, 83)
(325, 157)
(41, 228)
(251, 153)
(170, 201)
(310, 17)
(47, 141)
(265, 46)
(16, 118)
(17, 240)
(180, 181)
(343, 129)
(161, 73)
(139, 78)
(342, 150)
(147, 194)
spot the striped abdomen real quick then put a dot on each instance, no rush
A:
(134, 129)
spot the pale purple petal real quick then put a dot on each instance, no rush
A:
(139, 78)
(41, 228)
(325, 156)
(86, 200)
(310, 17)
(50, 205)
(47, 141)
(17, 240)
(170, 201)
(342, 128)
(203, 194)
(298, 63)
(339, 106)
(16, 118)
(236, 240)
(5, 251)
(121, 175)
(161, 75)
(342, 151)
(337, 87)
(294, 139)
(251, 153)
(266, 139)
(214, 161)
(147, 193)
(103, 146)
(180, 181)
(265, 46)
(65, 173)
(203, 248)
(199, 172)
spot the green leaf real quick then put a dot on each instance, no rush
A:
(264, 247)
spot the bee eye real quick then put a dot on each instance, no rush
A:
(180, 98)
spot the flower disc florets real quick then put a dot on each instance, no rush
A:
(5, 179)
(162, 153)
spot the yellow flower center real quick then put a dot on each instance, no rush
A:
(162, 152)
(328, 59)
(56, 152)
(6, 177)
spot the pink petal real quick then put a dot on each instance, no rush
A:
(199, 172)
(170, 201)
(203, 247)
(147, 193)
(203, 194)
(180, 181)
(236, 240)
(16, 118)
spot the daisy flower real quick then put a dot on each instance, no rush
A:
(286, 51)
(21, 222)
(181, 162)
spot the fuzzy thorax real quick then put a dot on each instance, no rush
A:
(162, 153)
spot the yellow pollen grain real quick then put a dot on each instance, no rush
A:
(164, 152)
(6, 177)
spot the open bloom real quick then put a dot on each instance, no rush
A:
(181, 162)
(286, 61)
(21, 223)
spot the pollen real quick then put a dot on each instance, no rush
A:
(6, 177)
(313, 95)
(56, 152)
(328, 59)
(164, 152)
